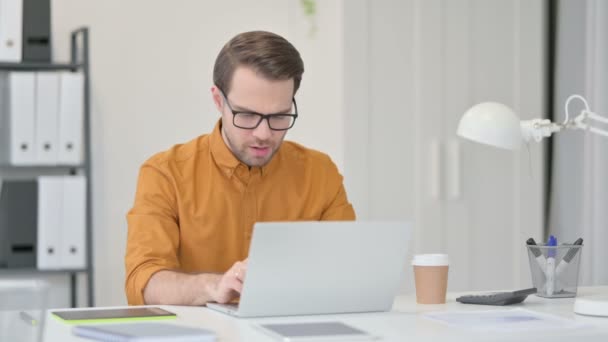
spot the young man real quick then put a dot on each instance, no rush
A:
(195, 206)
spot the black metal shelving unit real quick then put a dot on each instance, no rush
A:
(79, 61)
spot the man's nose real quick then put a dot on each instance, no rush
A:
(263, 131)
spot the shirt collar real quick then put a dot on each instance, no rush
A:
(226, 160)
(221, 153)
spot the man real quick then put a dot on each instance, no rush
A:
(195, 206)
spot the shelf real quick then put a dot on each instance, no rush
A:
(19, 270)
(78, 61)
(33, 66)
(6, 166)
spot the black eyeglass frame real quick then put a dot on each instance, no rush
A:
(262, 117)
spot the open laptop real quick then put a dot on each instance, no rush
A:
(309, 268)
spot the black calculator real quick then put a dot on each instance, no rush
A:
(497, 298)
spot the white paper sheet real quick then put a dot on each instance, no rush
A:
(513, 320)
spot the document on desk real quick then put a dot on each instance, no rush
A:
(513, 320)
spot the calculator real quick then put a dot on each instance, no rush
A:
(497, 298)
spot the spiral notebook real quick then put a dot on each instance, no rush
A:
(143, 332)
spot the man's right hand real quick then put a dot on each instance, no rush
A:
(176, 288)
(229, 285)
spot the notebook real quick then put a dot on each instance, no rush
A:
(143, 332)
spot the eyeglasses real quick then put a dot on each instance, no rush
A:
(251, 120)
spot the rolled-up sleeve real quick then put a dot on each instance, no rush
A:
(338, 207)
(153, 231)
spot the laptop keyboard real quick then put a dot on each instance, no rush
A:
(233, 306)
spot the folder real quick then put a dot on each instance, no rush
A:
(18, 223)
(11, 32)
(50, 203)
(36, 31)
(47, 118)
(71, 118)
(17, 102)
(73, 228)
(61, 222)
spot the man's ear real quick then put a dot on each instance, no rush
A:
(218, 98)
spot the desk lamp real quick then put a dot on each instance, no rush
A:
(497, 125)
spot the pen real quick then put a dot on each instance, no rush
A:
(27, 318)
(540, 258)
(550, 269)
(568, 257)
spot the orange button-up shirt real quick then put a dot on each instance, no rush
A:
(196, 204)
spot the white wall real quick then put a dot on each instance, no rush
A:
(425, 63)
(151, 65)
(580, 187)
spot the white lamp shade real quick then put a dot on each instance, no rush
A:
(492, 124)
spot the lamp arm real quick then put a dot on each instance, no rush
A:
(579, 122)
(537, 129)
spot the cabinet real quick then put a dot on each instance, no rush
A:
(45, 168)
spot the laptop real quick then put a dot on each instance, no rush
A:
(326, 267)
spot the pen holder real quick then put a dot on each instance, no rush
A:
(22, 310)
(555, 269)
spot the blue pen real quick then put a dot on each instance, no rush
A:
(552, 243)
(550, 270)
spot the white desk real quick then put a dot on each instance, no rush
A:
(404, 323)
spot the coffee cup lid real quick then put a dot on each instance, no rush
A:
(431, 260)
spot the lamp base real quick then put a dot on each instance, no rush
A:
(596, 305)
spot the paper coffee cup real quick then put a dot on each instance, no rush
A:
(431, 277)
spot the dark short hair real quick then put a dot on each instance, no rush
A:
(266, 53)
